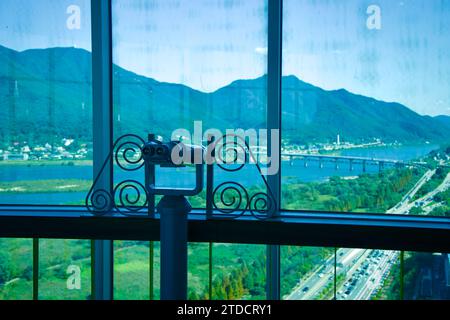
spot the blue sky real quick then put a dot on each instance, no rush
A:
(206, 44)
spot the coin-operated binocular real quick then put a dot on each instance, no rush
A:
(173, 154)
(173, 209)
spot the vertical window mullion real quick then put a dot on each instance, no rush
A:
(274, 70)
(35, 269)
(102, 135)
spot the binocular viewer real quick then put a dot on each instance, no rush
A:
(172, 154)
(173, 208)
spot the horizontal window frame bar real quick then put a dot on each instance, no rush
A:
(319, 229)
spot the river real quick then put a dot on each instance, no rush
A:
(296, 171)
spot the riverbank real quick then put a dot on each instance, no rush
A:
(41, 163)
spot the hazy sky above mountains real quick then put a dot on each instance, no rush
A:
(206, 44)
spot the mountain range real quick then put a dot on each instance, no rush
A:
(46, 94)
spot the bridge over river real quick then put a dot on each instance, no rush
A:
(350, 160)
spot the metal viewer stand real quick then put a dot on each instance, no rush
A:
(173, 209)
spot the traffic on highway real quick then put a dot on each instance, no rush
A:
(358, 274)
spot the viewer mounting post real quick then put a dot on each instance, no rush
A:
(173, 210)
(173, 237)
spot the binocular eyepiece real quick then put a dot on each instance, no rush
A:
(158, 153)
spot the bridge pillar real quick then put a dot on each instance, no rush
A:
(351, 165)
(336, 167)
(380, 166)
(364, 165)
(291, 161)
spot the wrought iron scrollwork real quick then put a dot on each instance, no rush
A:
(127, 150)
(228, 200)
(128, 197)
(231, 199)
(99, 201)
(227, 147)
(261, 204)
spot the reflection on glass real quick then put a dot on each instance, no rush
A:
(64, 269)
(366, 106)
(45, 101)
(426, 276)
(16, 269)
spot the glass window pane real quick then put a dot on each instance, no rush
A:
(16, 269)
(131, 270)
(64, 269)
(426, 276)
(239, 272)
(198, 271)
(45, 101)
(188, 68)
(366, 106)
(307, 273)
(368, 275)
(202, 69)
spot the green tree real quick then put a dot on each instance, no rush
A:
(416, 210)
(5, 268)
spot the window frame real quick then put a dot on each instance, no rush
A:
(327, 229)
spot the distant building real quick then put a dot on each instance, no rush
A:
(15, 156)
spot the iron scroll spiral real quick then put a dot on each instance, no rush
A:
(226, 147)
(231, 198)
(260, 204)
(126, 153)
(99, 202)
(130, 197)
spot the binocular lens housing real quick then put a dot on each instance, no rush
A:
(158, 153)
(150, 150)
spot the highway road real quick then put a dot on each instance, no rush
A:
(314, 283)
(366, 289)
(428, 198)
(365, 270)
(404, 205)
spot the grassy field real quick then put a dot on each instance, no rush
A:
(131, 268)
(55, 257)
(45, 186)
